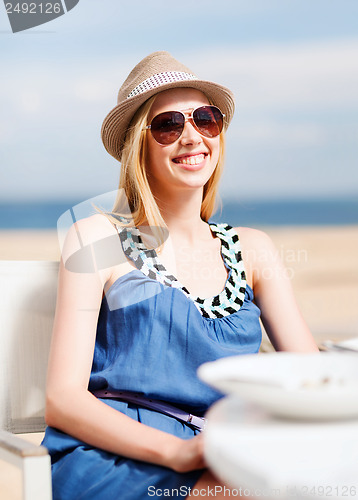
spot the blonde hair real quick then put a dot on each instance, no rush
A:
(133, 182)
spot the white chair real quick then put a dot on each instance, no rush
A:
(27, 306)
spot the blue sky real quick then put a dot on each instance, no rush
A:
(292, 65)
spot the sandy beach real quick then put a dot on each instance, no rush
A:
(322, 262)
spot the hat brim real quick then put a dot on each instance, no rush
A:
(115, 125)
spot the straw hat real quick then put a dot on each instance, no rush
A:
(157, 72)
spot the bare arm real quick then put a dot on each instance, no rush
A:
(273, 292)
(70, 407)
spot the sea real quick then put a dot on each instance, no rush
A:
(252, 213)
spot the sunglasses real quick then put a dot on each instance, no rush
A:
(167, 127)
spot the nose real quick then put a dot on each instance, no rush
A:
(190, 135)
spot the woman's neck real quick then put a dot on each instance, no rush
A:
(181, 213)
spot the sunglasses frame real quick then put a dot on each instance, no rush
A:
(188, 116)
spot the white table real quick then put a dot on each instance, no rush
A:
(247, 448)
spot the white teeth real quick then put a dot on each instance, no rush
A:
(191, 160)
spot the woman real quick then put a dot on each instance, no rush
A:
(165, 311)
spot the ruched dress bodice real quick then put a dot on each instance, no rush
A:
(169, 339)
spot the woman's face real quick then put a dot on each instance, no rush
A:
(190, 161)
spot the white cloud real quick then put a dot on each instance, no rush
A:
(92, 89)
(289, 134)
(320, 74)
(29, 101)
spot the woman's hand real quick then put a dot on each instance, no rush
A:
(187, 454)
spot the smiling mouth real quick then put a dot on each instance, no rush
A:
(190, 160)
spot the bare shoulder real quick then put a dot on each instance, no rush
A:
(254, 239)
(93, 240)
(258, 251)
(92, 228)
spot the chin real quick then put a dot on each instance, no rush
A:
(195, 183)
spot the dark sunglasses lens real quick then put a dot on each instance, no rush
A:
(209, 120)
(167, 127)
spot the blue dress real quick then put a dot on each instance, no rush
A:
(152, 335)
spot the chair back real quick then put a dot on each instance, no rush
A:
(27, 307)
